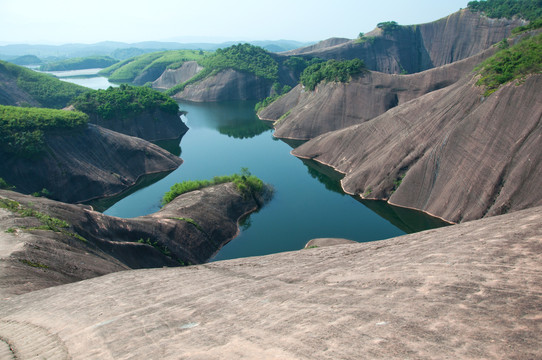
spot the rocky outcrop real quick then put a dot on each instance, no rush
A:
(189, 230)
(172, 77)
(416, 48)
(324, 44)
(227, 85)
(151, 126)
(332, 106)
(80, 165)
(461, 292)
(451, 153)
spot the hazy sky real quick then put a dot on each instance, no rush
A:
(68, 21)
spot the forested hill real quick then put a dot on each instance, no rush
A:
(20, 86)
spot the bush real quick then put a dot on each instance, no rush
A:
(332, 70)
(512, 63)
(388, 26)
(123, 102)
(246, 183)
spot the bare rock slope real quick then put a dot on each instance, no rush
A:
(172, 77)
(85, 164)
(415, 48)
(189, 230)
(228, 84)
(452, 153)
(471, 291)
(332, 106)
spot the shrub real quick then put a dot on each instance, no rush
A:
(332, 70)
(512, 63)
(525, 9)
(246, 184)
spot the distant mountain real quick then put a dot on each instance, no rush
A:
(121, 51)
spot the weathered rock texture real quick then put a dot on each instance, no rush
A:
(452, 153)
(306, 114)
(471, 291)
(190, 229)
(228, 84)
(151, 126)
(172, 77)
(85, 164)
(415, 48)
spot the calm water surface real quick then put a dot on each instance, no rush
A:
(225, 137)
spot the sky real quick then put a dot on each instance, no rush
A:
(74, 21)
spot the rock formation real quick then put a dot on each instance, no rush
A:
(172, 77)
(452, 153)
(332, 106)
(81, 165)
(414, 48)
(189, 230)
(228, 84)
(151, 126)
(461, 292)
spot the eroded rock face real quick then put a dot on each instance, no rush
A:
(451, 153)
(332, 106)
(228, 84)
(189, 230)
(416, 48)
(81, 165)
(172, 77)
(462, 292)
(151, 126)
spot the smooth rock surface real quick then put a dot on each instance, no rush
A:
(452, 153)
(471, 291)
(188, 230)
(81, 165)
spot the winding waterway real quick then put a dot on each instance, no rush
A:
(225, 137)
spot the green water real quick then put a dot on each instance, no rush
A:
(225, 137)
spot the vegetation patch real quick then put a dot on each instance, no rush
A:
(5, 186)
(162, 248)
(124, 101)
(156, 62)
(22, 129)
(79, 63)
(524, 9)
(388, 27)
(246, 183)
(190, 221)
(33, 264)
(331, 70)
(513, 63)
(46, 89)
(278, 92)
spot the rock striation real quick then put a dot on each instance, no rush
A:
(172, 77)
(189, 230)
(462, 292)
(81, 165)
(452, 153)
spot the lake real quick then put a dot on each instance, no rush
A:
(307, 203)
